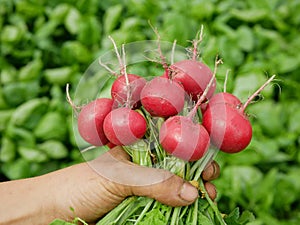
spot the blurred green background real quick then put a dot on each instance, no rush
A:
(46, 44)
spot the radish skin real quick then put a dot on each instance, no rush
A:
(183, 138)
(123, 96)
(194, 77)
(124, 126)
(90, 121)
(162, 97)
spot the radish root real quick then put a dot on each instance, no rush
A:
(195, 43)
(70, 101)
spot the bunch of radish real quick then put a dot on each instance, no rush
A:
(194, 117)
(117, 120)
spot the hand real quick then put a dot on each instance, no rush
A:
(93, 189)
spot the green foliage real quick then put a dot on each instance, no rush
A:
(46, 44)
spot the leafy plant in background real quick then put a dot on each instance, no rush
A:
(46, 44)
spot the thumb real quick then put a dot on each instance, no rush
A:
(132, 179)
(173, 191)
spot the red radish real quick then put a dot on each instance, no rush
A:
(194, 77)
(183, 138)
(222, 97)
(228, 125)
(162, 97)
(90, 121)
(124, 126)
(226, 97)
(120, 90)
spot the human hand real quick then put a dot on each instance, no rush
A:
(94, 188)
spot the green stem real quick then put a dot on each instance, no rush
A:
(139, 153)
(116, 212)
(195, 213)
(204, 161)
(212, 205)
(175, 216)
(145, 210)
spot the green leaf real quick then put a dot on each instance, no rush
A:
(60, 12)
(8, 75)
(7, 150)
(232, 218)
(89, 31)
(21, 136)
(249, 15)
(294, 121)
(29, 9)
(19, 92)
(54, 149)
(11, 34)
(29, 113)
(111, 18)
(51, 126)
(32, 154)
(74, 51)
(235, 218)
(5, 116)
(203, 220)
(246, 84)
(59, 76)
(230, 51)
(245, 38)
(246, 217)
(155, 216)
(31, 71)
(267, 114)
(72, 20)
(20, 168)
(286, 62)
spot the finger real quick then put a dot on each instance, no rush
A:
(119, 153)
(211, 190)
(211, 172)
(173, 192)
(132, 179)
(114, 166)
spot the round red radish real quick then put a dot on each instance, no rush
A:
(222, 97)
(124, 126)
(120, 91)
(228, 98)
(183, 138)
(90, 121)
(228, 126)
(194, 77)
(162, 97)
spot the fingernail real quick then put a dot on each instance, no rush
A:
(188, 192)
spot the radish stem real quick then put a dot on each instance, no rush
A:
(256, 93)
(212, 204)
(173, 52)
(127, 104)
(225, 81)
